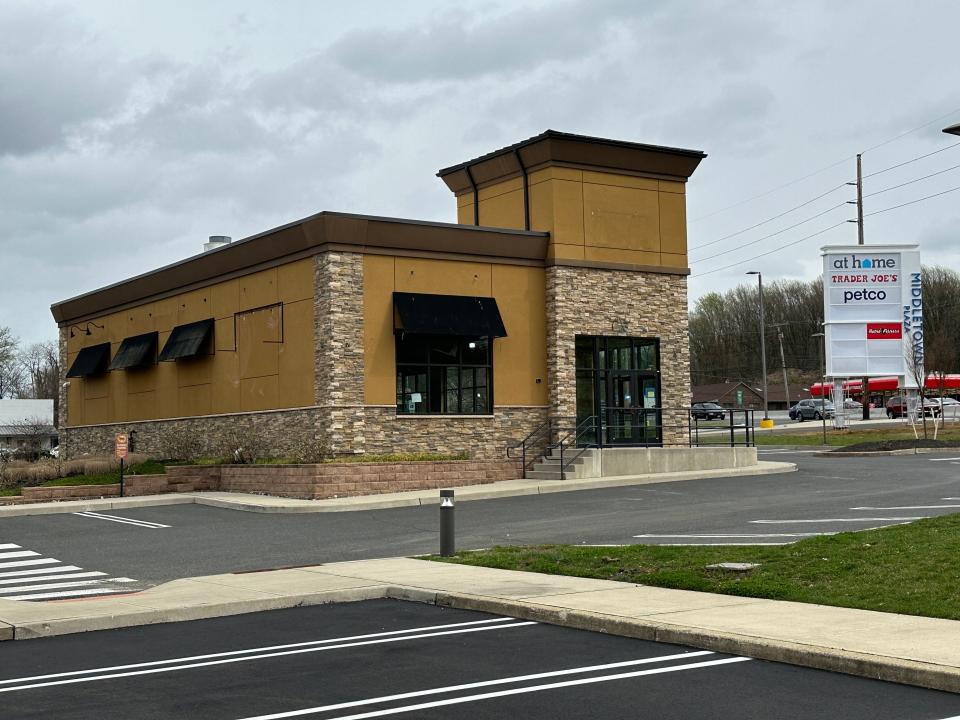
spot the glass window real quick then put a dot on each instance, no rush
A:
(585, 347)
(443, 375)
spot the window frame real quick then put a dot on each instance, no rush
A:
(436, 375)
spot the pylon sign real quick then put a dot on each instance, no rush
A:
(873, 311)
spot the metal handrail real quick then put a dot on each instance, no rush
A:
(586, 422)
(544, 429)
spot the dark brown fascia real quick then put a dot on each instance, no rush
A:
(303, 238)
(564, 149)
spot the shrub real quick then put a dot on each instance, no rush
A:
(243, 448)
(309, 451)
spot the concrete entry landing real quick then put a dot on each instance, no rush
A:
(616, 462)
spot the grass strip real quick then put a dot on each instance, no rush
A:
(150, 467)
(908, 569)
(849, 437)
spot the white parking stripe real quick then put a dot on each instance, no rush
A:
(39, 571)
(908, 507)
(8, 546)
(22, 563)
(63, 576)
(267, 648)
(491, 683)
(123, 520)
(506, 693)
(943, 459)
(839, 520)
(7, 591)
(261, 656)
(18, 554)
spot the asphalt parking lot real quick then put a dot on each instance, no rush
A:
(80, 555)
(383, 658)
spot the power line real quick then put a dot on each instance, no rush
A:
(912, 160)
(911, 182)
(770, 252)
(910, 132)
(770, 192)
(775, 217)
(913, 202)
(823, 169)
(774, 234)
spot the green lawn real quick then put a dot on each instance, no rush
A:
(910, 569)
(851, 437)
(150, 467)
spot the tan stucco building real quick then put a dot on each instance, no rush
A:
(560, 293)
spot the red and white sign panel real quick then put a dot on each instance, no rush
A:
(121, 445)
(884, 331)
(872, 295)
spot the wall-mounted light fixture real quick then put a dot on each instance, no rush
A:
(85, 330)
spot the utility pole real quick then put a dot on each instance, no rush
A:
(864, 382)
(765, 423)
(783, 364)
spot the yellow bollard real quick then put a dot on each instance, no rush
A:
(766, 423)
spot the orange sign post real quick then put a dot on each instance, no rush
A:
(121, 448)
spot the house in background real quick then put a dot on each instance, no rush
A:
(27, 424)
(741, 395)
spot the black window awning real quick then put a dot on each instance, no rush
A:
(91, 360)
(460, 315)
(135, 351)
(187, 340)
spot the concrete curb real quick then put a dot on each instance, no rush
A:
(891, 669)
(503, 489)
(881, 453)
(904, 672)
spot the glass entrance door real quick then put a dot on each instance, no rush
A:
(621, 415)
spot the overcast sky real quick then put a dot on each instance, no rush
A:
(130, 131)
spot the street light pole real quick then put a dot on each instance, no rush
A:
(823, 381)
(763, 353)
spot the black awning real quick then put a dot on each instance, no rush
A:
(187, 340)
(460, 315)
(136, 351)
(91, 360)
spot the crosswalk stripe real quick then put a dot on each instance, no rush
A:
(63, 576)
(39, 571)
(21, 563)
(18, 554)
(4, 592)
(44, 578)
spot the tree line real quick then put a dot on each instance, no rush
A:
(29, 371)
(725, 329)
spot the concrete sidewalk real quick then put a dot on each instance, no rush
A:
(273, 504)
(899, 648)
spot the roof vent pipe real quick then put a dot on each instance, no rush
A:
(216, 241)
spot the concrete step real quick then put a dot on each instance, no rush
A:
(556, 461)
(543, 475)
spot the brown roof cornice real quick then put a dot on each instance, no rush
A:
(557, 148)
(303, 238)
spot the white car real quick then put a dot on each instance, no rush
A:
(950, 407)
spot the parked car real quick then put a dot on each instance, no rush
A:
(851, 404)
(949, 407)
(897, 407)
(812, 410)
(707, 411)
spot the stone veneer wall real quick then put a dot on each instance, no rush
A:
(278, 433)
(338, 343)
(483, 436)
(586, 301)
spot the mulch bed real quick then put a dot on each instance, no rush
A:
(886, 445)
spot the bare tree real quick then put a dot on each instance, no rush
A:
(40, 369)
(32, 434)
(11, 372)
(914, 356)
